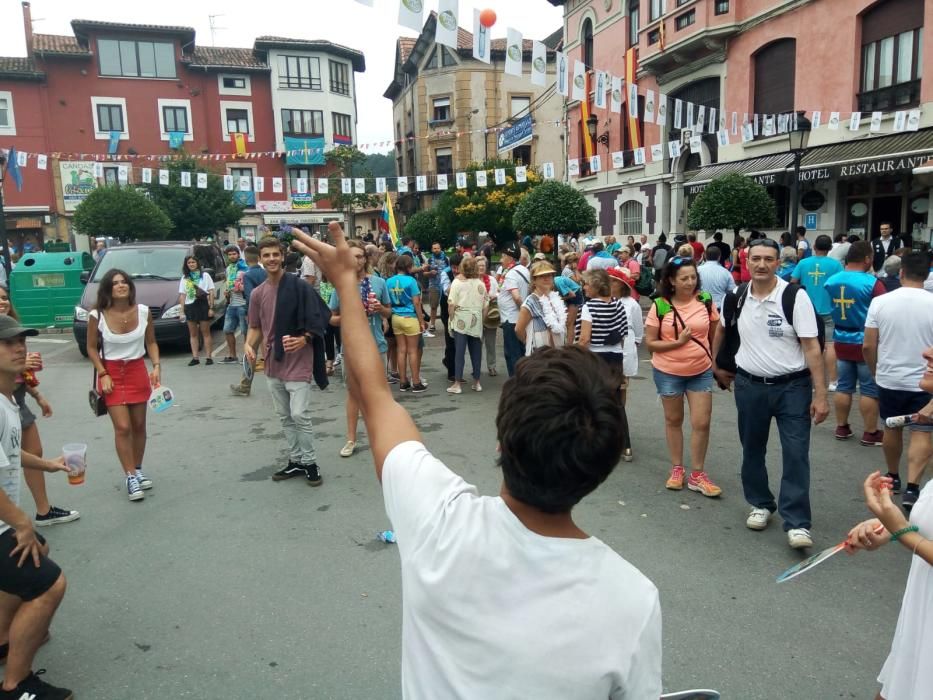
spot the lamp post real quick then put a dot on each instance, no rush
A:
(592, 124)
(798, 138)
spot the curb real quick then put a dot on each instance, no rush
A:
(54, 331)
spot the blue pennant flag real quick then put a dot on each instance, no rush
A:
(12, 167)
(176, 139)
(114, 142)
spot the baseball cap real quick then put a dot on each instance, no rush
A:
(513, 250)
(540, 256)
(10, 328)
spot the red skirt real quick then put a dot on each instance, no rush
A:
(130, 382)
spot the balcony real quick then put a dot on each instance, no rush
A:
(894, 97)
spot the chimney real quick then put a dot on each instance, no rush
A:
(27, 27)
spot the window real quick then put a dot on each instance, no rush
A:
(633, 23)
(237, 173)
(632, 223)
(654, 36)
(136, 59)
(302, 122)
(682, 2)
(111, 176)
(447, 58)
(722, 7)
(685, 20)
(234, 83)
(109, 117)
(302, 72)
(892, 55)
(175, 119)
(339, 78)
(444, 159)
(522, 155)
(237, 121)
(657, 10)
(519, 107)
(775, 66)
(293, 176)
(432, 60)
(343, 125)
(441, 111)
(587, 40)
(7, 123)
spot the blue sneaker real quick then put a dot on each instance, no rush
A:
(145, 483)
(133, 490)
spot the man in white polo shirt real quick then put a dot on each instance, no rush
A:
(513, 289)
(779, 375)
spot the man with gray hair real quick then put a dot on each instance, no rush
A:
(892, 273)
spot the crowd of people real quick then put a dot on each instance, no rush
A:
(783, 324)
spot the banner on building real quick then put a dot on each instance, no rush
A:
(521, 132)
(538, 64)
(513, 52)
(78, 182)
(300, 151)
(446, 30)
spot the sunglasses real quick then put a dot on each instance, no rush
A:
(766, 242)
(681, 260)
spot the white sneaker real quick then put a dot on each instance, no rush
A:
(477, 386)
(799, 538)
(832, 386)
(347, 450)
(428, 334)
(758, 519)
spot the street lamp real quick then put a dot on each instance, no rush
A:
(798, 137)
(592, 124)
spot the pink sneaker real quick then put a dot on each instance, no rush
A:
(675, 482)
(699, 481)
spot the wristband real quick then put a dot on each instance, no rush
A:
(103, 374)
(904, 531)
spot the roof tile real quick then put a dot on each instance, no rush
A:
(19, 67)
(227, 56)
(58, 44)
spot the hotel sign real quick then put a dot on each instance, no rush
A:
(879, 167)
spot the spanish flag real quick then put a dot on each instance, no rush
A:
(239, 141)
(585, 115)
(631, 68)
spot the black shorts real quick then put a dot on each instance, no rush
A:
(896, 402)
(197, 311)
(26, 582)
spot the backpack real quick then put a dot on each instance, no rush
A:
(659, 258)
(645, 283)
(732, 307)
(662, 306)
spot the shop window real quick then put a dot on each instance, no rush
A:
(775, 66)
(892, 55)
(587, 40)
(632, 218)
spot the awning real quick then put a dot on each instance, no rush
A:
(766, 170)
(877, 155)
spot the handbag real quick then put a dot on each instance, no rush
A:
(96, 398)
(491, 319)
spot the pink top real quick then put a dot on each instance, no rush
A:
(692, 358)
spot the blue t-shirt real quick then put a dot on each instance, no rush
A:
(402, 291)
(565, 285)
(378, 287)
(812, 274)
(438, 263)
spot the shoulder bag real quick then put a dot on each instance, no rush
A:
(95, 396)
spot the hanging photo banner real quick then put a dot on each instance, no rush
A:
(98, 170)
(855, 121)
(228, 181)
(578, 91)
(442, 181)
(599, 97)
(259, 184)
(421, 183)
(521, 174)
(521, 132)
(913, 120)
(411, 14)
(748, 133)
(735, 123)
(633, 100)
(481, 179)
(461, 181)
(661, 119)
(380, 185)
(346, 186)
(618, 159)
(596, 164)
(514, 55)
(875, 121)
(696, 142)
(480, 39)
(723, 135)
(500, 176)
(547, 171)
(768, 129)
(755, 125)
(573, 167)
(657, 152)
(816, 120)
(246, 183)
(42, 161)
(712, 124)
(833, 121)
(446, 30)
(277, 185)
(562, 79)
(185, 178)
(678, 114)
(302, 185)
(639, 155)
(615, 100)
(649, 105)
(538, 64)
(402, 184)
(359, 185)
(690, 120)
(202, 181)
(700, 123)
(673, 149)
(147, 176)
(323, 187)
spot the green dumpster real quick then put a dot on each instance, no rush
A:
(45, 287)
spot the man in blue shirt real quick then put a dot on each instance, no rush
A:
(714, 278)
(252, 278)
(437, 263)
(811, 273)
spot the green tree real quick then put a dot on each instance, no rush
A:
(195, 212)
(490, 209)
(348, 162)
(554, 208)
(380, 164)
(121, 212)
(422, 226)
(732, 202)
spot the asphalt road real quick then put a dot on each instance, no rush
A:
(223, 584)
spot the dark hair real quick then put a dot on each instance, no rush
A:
(885, 223)
(786, 239)
(455, 259)
(767, 242)
(691, 238)
(840, 238)
(713, 253)
(270, 242)
(915, 266)
(559, 428)
(105, 289)
(184, 265)
(823, 243)
(852, 238)
(12, 314)
(406, 240)
(403, 264)
(598, 246)
(662, 239)
(717, 236)
(673, 266)
(637, 246)
(858, 251)
(801, 230)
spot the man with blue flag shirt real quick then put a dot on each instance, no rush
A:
(850, 293)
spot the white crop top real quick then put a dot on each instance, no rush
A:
(124, 346)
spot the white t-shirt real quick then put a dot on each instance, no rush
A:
(309, 269)
(492, 610)
(206, 284)
(634, 337)
(10, 441)
(770, 345)
(517, 278)
(928, 285)
(904, 319)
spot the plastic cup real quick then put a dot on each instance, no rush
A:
(75, 454)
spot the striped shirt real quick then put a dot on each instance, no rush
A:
(605, 317)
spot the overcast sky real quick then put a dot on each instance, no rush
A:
(371, 30)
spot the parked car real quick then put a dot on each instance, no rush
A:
(156, 270)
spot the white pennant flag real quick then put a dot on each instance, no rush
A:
(578, 91)
(768, 129)
(639, 156)
(735, 123)
(833, 121)
(380, 185)
(711, 122)
(411, 14)
(602, 82)
(649, 106)
(202, 181)
(696, 142)
(748, 133)
(259, 184)
(442, 181)
(98, 170)
(700, 123)
(163, 177)
(690, 120)
(514, 55)
(246, 183)
(481, 39)
(900, 121)
(562, 79)
(633, 100)
(500, 176)
(678, 114)
(346, 186)
(854, 121)
(596, 164)
(359, 185)
(875, 121)
(538, 64)
(228, 181)
(618, 159)
(547, 171)
(657, 152)
(302, 185)
(815, 122)
(481, 180)
(461, 181)
(673, 149)
(402, 184)
(21, 159)
(521, 174)
(277, 185)
(661, 119)
(421, 183)
(42, 161)
(755, 123)
(147, 176)
(573, 167)
(446, 31)
(913, 120)
(723, 137)
(615, 101)
(185, 178)
(123, 173)
(323, 187)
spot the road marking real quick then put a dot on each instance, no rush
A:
(55, 341)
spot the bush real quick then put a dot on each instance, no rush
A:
(121, 212)
(732, 202)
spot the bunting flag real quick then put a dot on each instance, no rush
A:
(563, 81)
(631, 69)
(480, 39)
(239, 142)
(411, 14)
(585, 116)
(387, 221)
(12, 168)
(446, 30)
(514, 55)
(599, 96)
(616, 99)
(538, 64)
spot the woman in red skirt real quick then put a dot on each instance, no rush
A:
(127, 334)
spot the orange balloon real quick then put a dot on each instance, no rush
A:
(487, 17)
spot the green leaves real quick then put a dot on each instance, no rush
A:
(422, 226)
(121, 212)
(732, 202)
(555, 208)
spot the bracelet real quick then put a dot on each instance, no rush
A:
(903, 531)
(156, 364)
(103, 374)
(917, 545)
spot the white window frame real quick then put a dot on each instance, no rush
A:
(189, 135)
(623, 220)
(10, 128)
(230, 104)
(105, 135)
(244, 92)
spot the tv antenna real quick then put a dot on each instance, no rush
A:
(214, 28)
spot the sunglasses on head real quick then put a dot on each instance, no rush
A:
(767, 242)
(681, 260)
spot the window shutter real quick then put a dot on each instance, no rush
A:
(890, 18)
(775, 66)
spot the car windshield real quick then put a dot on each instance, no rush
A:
(143, 263)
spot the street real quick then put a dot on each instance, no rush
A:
(224, 584)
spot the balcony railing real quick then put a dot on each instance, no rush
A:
(900, 96)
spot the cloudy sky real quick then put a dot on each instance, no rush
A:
(371, 30)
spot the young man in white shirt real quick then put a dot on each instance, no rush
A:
(779, 375)
(506, 597)
(31, 584)
(515, 286)
(898, 328)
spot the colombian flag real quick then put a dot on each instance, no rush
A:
(387, 222)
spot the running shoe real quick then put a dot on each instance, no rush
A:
(34, 688)
(229, 361)
(56, 516)
(208, 361)
(911, 494)
(292, 470)
(194, 361)
(699, 481)
(404, 386)
(133, 491)
(832, 386)
(455, 389)
(843, 432)
(895, 482)
(675, 482)
(872, 439)
(428, 334)
(419, 388)
(477, 386)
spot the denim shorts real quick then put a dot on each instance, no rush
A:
(672, 385)
(234, 319)
(851, 373)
